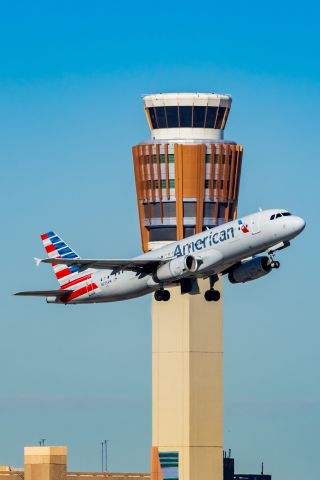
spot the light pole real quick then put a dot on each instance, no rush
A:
(106, 453)
(102, 446)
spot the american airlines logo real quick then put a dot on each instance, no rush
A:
(207, 241)
(244, 228)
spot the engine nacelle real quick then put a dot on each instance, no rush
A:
(177, 268)
(250, 270)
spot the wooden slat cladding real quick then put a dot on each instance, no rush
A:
(190, 178)
(232, 170)
(159, 180)
(218, 180)
(231, 181)
(178, 173)
(207, 176)
(237, 179)
(226, 178)
(201, 176)
(145, 172)
(166, 157)
(212, 171)
(156, 471)
(189, 182)
(140, 197)
(152, 184)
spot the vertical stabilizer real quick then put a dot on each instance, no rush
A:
(57, 248)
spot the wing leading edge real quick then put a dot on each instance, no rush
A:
(117, 264)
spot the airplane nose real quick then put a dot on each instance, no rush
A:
(298, 224)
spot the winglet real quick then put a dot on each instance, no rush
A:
(38, 261)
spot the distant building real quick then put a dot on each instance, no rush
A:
(228, 471)
(252, 477)
(228, 468)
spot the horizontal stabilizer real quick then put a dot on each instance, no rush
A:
(45, 293)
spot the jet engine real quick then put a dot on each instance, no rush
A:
(250, 270)
(177, 268)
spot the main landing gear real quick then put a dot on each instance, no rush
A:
(162, 295)
(212, 295)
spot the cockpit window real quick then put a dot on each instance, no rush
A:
(278, 215)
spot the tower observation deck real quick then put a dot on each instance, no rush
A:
(187, 176)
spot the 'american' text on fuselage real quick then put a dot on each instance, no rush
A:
(204, 242)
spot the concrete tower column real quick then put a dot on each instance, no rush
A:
(187, 180)
(187, 384)
(45, 463)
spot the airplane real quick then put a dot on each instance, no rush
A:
(232, 248)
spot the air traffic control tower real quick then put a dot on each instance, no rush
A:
(187, 179)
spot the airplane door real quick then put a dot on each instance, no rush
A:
(255, 224)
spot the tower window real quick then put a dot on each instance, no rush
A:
(220, 116)
(185, 114)
(153, 118)
(211, 117)
(199, 116)
(188, 116)
(172, 117)
(161, 117)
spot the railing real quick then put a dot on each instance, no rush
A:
(114, 476)
(84, 475)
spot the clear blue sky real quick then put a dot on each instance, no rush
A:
(71, 76)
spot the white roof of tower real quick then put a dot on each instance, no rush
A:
(187, 98)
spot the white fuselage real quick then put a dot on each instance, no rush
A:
(217, 249)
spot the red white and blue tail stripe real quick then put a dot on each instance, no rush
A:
(57, 248)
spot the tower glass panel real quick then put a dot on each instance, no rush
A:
(185, 114)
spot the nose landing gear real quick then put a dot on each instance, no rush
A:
(162, 295)
(275, 264)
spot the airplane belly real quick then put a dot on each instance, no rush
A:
(126, 285)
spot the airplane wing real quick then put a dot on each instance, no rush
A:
(135, 265)
(45, 293)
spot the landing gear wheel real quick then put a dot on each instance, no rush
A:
(158, 295)
(165, 295)
(275, 264)
(212, 295)
(162, 295)
(216, 296)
